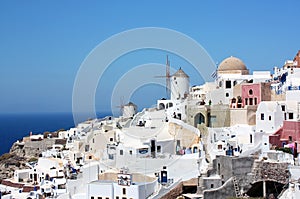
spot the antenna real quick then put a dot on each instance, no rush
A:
(168, 78)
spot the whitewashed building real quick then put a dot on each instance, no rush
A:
(122, 185)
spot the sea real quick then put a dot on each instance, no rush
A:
(15, 126)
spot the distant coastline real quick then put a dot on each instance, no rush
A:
(14, 126)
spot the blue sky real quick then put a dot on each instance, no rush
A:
(43, 43)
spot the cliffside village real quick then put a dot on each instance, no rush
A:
(236, 136)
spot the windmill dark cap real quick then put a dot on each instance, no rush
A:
(180, 73)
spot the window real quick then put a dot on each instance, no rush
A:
(291, 116)
(290, 138)
(111, 139)
(158, 149)
(262, 116)
(93, 140)
(251, 139)
(246, 101)
(99, 197)
(250, 92)
(283, 107)
(250, 101)
(211, 185)
(117, 197)
(284, 116)
(234, 83)
(124, 191)
(255, 101)
(270, 117)
(130, 152)
(121, 152)
(228, 84)
(92, 197)
(227, 94)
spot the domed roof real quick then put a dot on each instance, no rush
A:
(232, 63)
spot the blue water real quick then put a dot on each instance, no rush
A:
(14, 127)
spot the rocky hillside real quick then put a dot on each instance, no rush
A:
(9, 162)
(24, 152)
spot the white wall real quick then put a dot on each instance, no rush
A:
(97, 189)
(273, 117)
(90, 172)
(293, 95)
(179, 87)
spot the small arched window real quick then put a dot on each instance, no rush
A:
(250, 92)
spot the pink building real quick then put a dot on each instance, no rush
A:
(254, 93)
(288, 134)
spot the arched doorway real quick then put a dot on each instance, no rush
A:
(272, 187)
(199, 119)
(161, 106)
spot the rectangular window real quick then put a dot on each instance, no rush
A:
(117, 197)
(246, 101)
(124, 191)
(283, 107)
(130, 152)
(92, 197)
(158, 149)
(255, 101)
(270, 117)
(228, 84)
(121, 152)
(250, 101)
(262, 116)
(291, 116)
(99, 197)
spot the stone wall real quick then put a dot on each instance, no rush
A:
(34, 148)
(225, 191)
(173, 193)
(247, 171)
(271, 171)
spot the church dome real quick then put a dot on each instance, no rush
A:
(232, 63)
